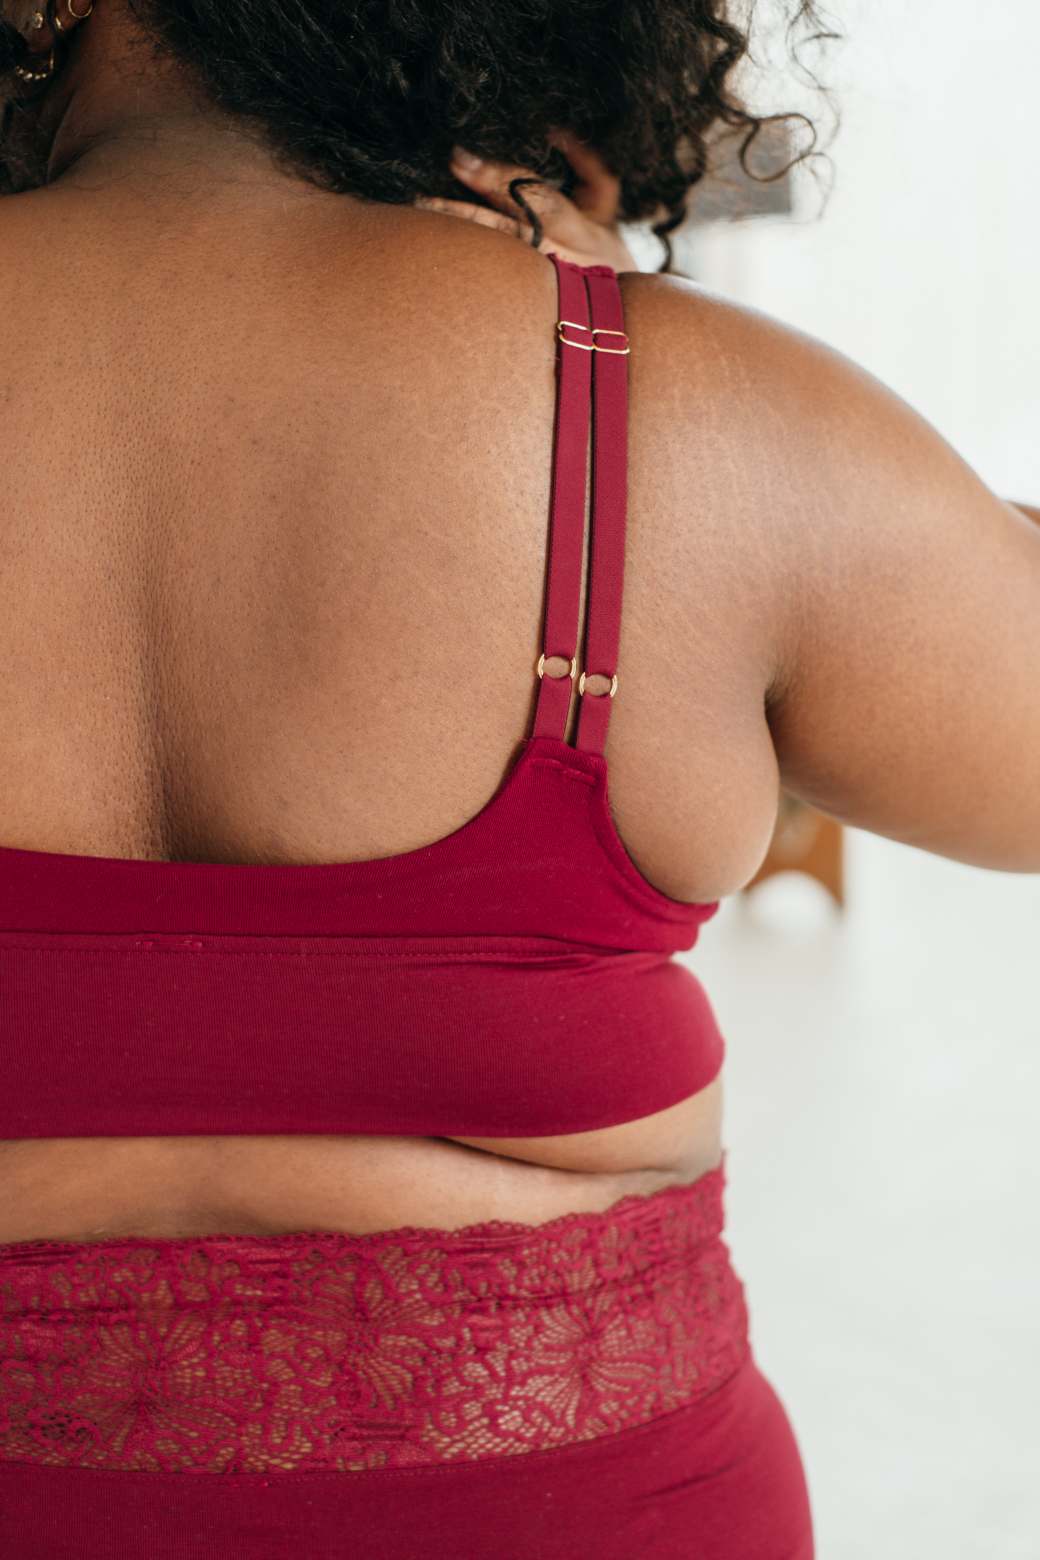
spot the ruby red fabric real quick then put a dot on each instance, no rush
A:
(719, 1480)
(515, 978)
(584, 1387)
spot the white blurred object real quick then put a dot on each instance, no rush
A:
(791, 903)
(923, 266)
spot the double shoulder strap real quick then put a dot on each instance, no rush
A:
(592, 373)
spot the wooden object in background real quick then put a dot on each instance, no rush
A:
(729, 194)
(805, 841)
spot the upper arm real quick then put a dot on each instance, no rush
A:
(907, 699)
(903, 609)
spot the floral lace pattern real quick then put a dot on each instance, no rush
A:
(240, 1353)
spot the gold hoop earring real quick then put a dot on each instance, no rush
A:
(37, 75)
(58, 24)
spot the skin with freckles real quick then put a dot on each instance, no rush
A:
(272, 590)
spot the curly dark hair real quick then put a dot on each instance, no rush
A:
(368, 97)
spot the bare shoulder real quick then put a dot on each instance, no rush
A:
(488, 274)
(777, 392)
(732, 410)
(814, 436)
(899, 596)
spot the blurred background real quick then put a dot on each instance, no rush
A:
(884, 1058)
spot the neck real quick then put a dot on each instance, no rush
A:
(117, 115)
(161, 150)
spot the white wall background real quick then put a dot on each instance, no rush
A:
(924, 265)
(884, 1066)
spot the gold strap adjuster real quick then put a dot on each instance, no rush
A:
(584, 346)
(555, 675)
(593, 345)
(608, 693)
(614, 351)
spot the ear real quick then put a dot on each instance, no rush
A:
(44, 22)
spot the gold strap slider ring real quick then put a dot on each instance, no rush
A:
(555, 675)
(608, 693)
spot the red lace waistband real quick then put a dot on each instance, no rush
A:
(241, 1353)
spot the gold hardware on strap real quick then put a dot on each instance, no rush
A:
(607, 693)
(593, 346)
(555, 675)
(584, 346)
(614, 351)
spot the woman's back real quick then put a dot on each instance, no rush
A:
(315, 470)
(274, 568)
(305, 879)
(310, 459)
